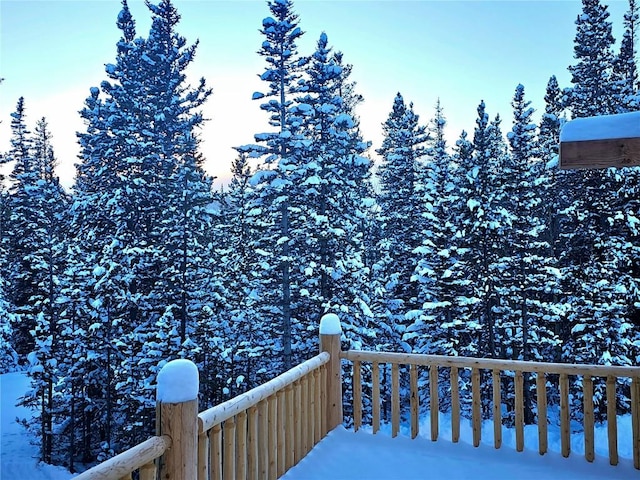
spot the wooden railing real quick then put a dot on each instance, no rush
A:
(265, 431)
(257, 435)
(498, 369)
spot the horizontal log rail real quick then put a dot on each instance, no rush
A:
(140, 458)
(498, 369)
(218, 414)
(491, 364)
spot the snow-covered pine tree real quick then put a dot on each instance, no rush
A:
(8, 355)
(430, 331)
(246, 336)
(188, 286)
(46, 261)
(478, 238)
(282, 151)
(335, 176)
(401, 175)
(549, 129)
(36, 230)
(434, 294)
(527, 279)
(338, 198)
(552, 208)
(456, 337)
(19, 286)
(593, 91)
(139, 191)
(625, 69)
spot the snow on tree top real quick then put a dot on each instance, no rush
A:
(178, 381)
(624, 125)
(330, 325)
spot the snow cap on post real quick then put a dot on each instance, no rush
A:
(178, 382)
(330, 324)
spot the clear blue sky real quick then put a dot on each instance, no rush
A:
(53, 51)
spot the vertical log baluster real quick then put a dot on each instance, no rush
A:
(263, 439)
(272, 436)
(395, 399)
(635, 421)
(148, 471)
(252, 443)
(281, 426)
(357, 396)
(323, 402)
(455, 406)
(497, 412)
(476, 404)
(289, 437)
(541, 399)
(317, 415)
(612, 420)
(215, 452)
(434, 401)
(241, 445)
(565, 432)
(203, 457)
(519, 406)
(588, 420)
(297, 436)
(375, 396)
(304, 414)
(414, 400)
(229, 465)
(310, 411)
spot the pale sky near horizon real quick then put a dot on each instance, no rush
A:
(53, 51)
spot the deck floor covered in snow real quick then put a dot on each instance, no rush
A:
(345, 455)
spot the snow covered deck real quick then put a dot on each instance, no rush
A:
(343, 454)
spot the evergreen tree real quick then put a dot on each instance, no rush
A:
(8, 355)
(282, 152)
(524, 310)
(549, 129)
(592, 77)
(140, 210)
(247, 337)
(336, 176)
(433, 269)
(480, 224)
(402, 206)
(46, 264)
(36, 247)
(20, 216)
(625, 70)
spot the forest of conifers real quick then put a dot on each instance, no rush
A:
(478, 247)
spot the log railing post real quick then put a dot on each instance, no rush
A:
(177, 417)
(330, 331)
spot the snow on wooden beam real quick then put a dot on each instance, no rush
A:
(601, 142)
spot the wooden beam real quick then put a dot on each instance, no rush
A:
(593, 154)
